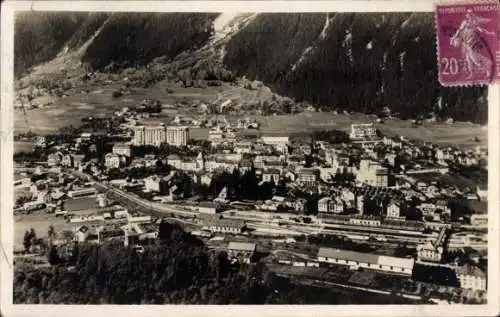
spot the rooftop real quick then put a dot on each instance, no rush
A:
(348, 255)
(241, 246)
(121, 145)
(227, 223)
(366, 257)
(207, 204)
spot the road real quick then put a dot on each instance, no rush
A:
(161, 210)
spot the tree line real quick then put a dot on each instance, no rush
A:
(177, 269)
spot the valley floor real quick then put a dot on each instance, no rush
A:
(45, 121)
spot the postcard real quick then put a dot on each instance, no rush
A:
(272, 158)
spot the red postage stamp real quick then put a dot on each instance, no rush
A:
(468, 43)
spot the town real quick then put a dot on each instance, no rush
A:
(359, 209)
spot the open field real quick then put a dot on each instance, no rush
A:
(69, 110)
(461, 133)
(38, 221)
(80, 204)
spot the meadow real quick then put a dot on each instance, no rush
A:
(99, 102)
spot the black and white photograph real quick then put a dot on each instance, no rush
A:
(243, 158)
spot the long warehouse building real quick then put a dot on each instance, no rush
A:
(371, 261)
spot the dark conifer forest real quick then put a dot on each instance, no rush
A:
(359, 62)
(176, 269)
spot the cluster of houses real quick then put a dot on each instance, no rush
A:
(369, 179)
(47, 189)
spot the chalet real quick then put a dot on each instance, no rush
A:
(394, 209)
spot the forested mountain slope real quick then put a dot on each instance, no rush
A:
(354, 61)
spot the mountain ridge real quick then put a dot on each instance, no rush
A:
(360, 62)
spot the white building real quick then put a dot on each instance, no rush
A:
(471, 277)
(429, 253)
(138, 219)
(243, 147)
(153, 183)
(219, 135)
(394, 210)
(241, 251)
(373, 174)
(150, 135)
(207, 208)
(226, 226)
(307, 176)
(81, 233)
(102, 200)
(356, 260)
(434, 210)
(271, 175)
(122, 149)
(219, 163)
(67, 160)
(82, 192)
(189, 164)
(280, 143)
(43, 196)
(54, 159)
(479, 220)
(113, 160)
(177, 135)
(326, 204)
(365, 221)
(362, 131)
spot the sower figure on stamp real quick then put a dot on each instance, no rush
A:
(465, 37)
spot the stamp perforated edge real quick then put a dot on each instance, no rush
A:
(448, 3)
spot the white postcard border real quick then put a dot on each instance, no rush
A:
(6, 171)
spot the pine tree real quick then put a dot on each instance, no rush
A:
(53, 256)
(51, 233)
(27, 240)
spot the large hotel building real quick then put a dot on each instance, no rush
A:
(156, 135)
(177, 135)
